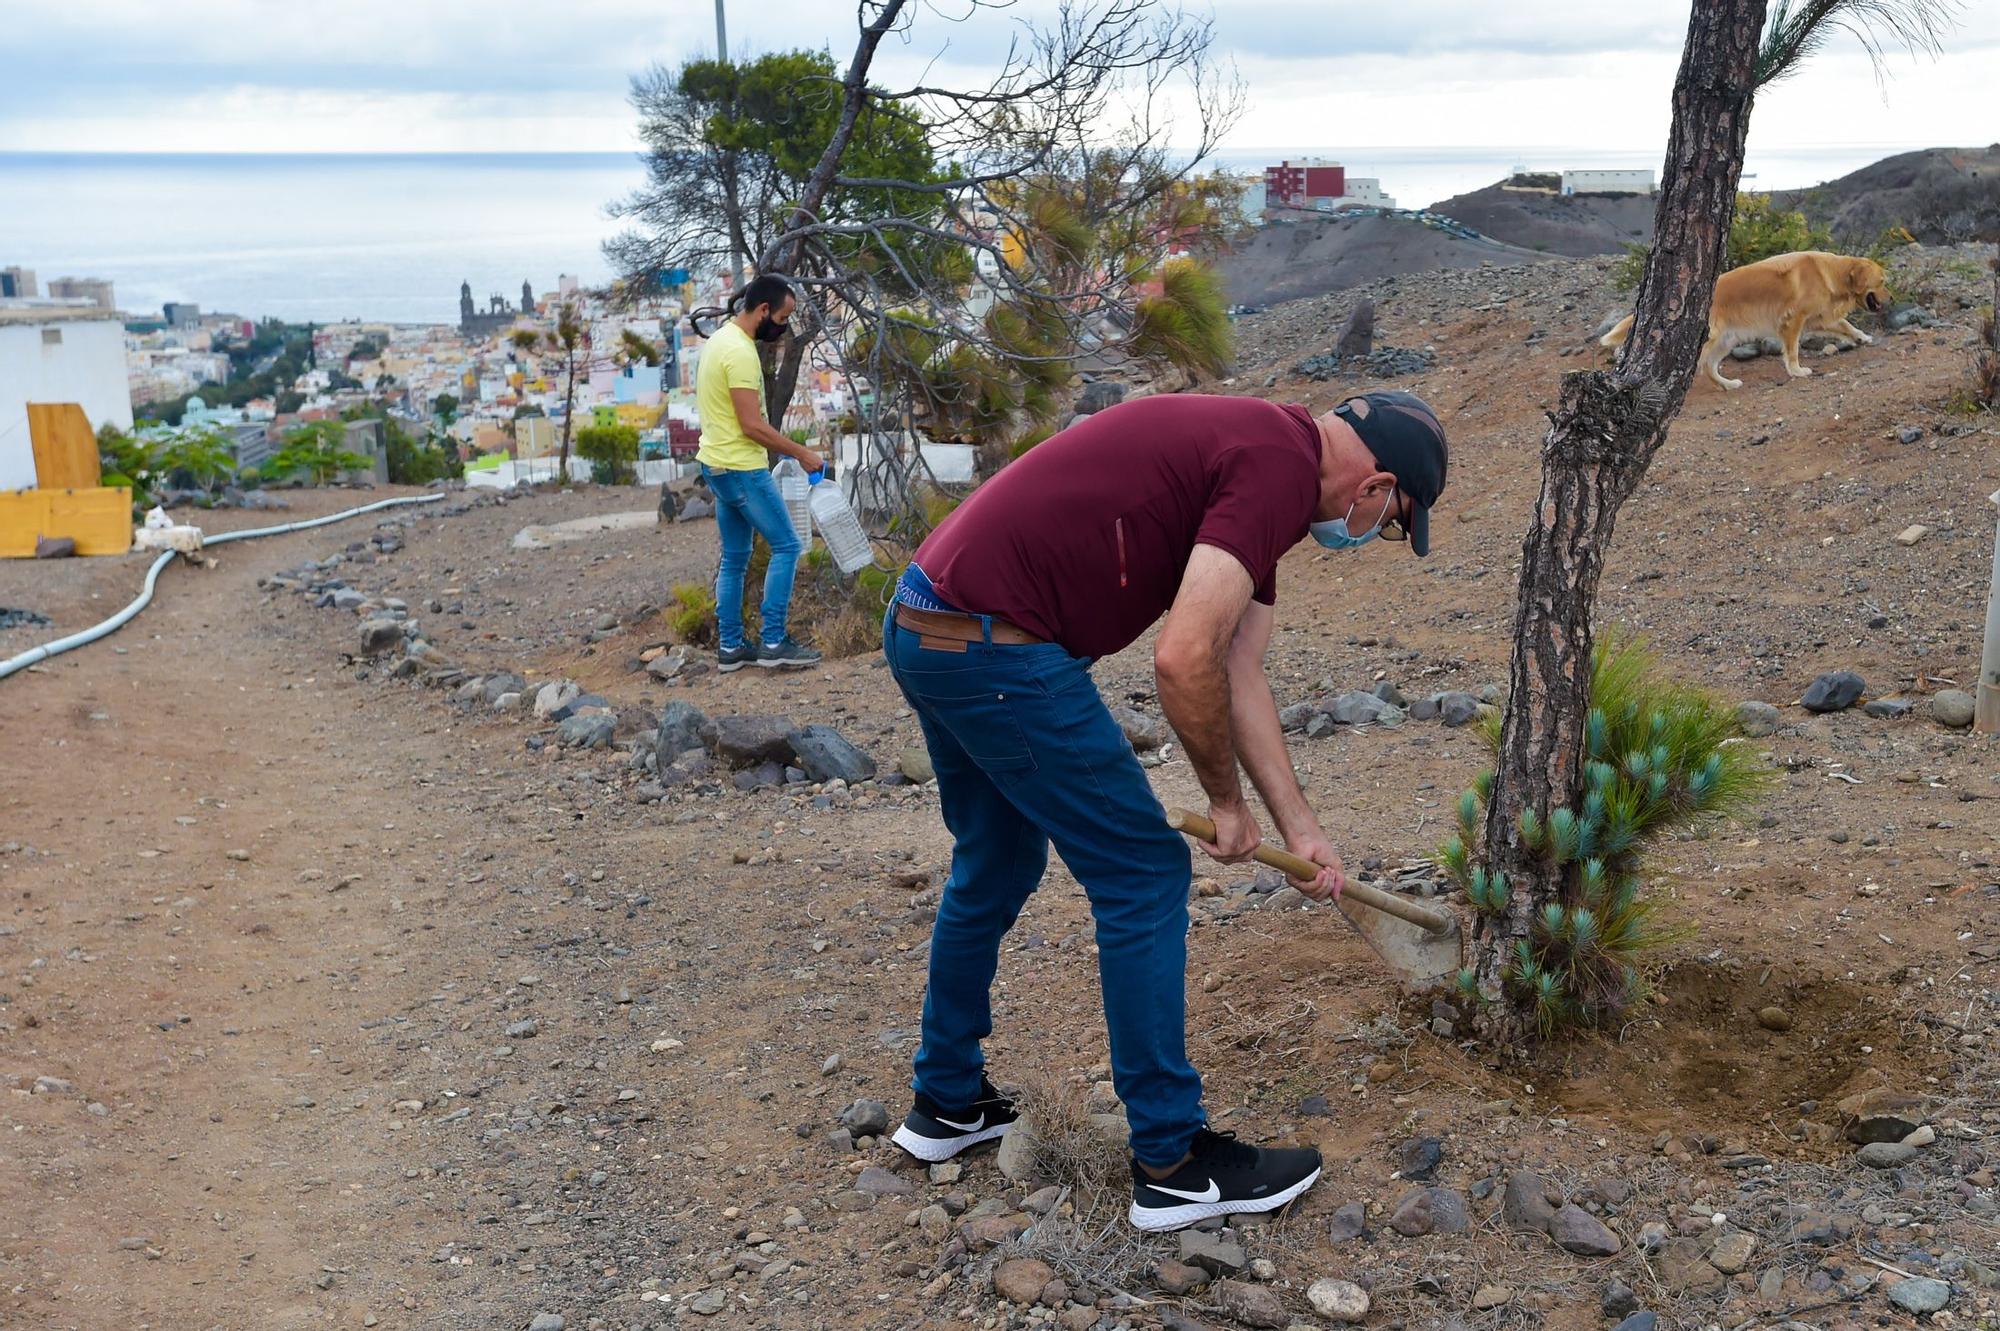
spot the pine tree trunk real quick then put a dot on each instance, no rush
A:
(1603, 435)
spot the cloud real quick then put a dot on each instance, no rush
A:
(423, 75)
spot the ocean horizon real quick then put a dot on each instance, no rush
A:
(389, 236)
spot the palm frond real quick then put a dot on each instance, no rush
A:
(1796, 30)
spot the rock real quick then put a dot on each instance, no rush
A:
(935, 1223)
(1881, 1115)
(1350, 1222)
(1178, 1278)
(1952, 707)
(1923, 1136)
(683, 726)
(1577, 1230)
(670, 663)
(1424, 709)
(1488, 1297)
(379, 635)
(1252, 1305)
(915, 765)
(524, 1030)
(1913, 533)
(1618, 1299)
(1212, 1253)
(1920, 1294)
(1732, 1252)
(553, 696)
(46, 1085)
(1418, 1158)
(1888, 709)
(1457, 709)
(945, 1173)
(746, 741)
(1756, 719)
(1021, 1279)
(1682, 1266)
(1430, 1211)
(1361, 709)
(1774, 1019)
(1338, 1300)
(594, 731)
(1835, 691)
(764, 776)
(1319, 725)
(1387, 691)
(1293, 719)
(1526, 1205)
(1885, 1155)
(546, 1322)
(1640, 1321)
(708, 1303)
(865, 1118)
(826, 755)
(509, 682)
(1042, 1200)
(1099, 394)
(990, 1231)
(1357, 335)
(1143, 731)
(879, 1182)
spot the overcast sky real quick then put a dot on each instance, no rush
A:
(501, 75)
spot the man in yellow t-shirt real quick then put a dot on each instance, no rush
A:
(736, 447)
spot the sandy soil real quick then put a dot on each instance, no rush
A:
(275, 920)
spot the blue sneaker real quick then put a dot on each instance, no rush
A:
(787, 655)
(735, 658)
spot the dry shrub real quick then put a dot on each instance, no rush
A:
(1070, 1149)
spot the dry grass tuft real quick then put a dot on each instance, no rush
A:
(1071, 1149)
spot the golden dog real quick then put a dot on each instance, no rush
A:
(1783, 297)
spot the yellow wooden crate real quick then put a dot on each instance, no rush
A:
(99, 520)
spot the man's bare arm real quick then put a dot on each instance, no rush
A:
(1191, 664)
(1260, 745)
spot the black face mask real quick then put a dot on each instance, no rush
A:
(769, 329)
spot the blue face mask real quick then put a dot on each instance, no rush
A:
(1333, 533)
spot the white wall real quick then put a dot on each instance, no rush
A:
(87, 367)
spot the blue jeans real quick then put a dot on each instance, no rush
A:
(1026, 753)
(747, 502)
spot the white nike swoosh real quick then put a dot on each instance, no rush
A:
(1213, 1194)
(973, 1126)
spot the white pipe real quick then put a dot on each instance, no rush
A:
(37, 655)
(1986, 697)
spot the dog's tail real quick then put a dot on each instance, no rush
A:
(1616, 337)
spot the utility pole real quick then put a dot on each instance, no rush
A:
(722, 54)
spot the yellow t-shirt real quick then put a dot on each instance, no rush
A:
(728, 360)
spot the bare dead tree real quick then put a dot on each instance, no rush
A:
(959, 288)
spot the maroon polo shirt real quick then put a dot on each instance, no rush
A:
(1084, 539)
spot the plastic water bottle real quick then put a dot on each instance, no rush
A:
(839, 527)
(793, 488)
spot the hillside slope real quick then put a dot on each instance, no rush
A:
(1293, 260)
(1942, 195)
(1578, 226)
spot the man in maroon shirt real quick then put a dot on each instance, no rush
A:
(1178, 505)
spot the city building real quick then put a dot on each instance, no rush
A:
(17, 283)
(57, 353)
(1607, 182)
(1301, 185)
(181, 314)
(83, 291)
(497, 317)
(1318, 185)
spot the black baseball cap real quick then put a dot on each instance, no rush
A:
(1407, 439)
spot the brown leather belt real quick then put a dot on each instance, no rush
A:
(947, 632)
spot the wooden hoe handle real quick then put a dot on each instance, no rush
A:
(1200, 828)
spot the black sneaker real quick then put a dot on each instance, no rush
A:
(787, 655)
(932, 1133)
(1222, 1177)
(735, 658)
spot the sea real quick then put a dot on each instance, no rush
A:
(390, 237)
